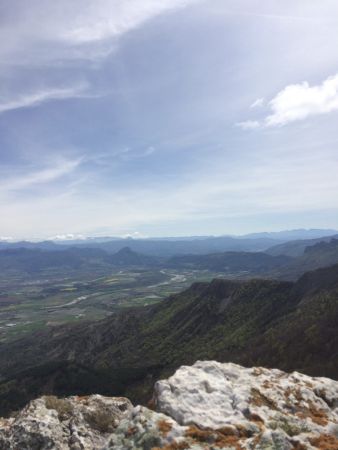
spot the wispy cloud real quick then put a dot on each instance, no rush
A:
(257, 103)
(55, 36)
(249, 124)
(56, 32)
(28, 100)
(105, 19)
(297, 102)
(37, 177)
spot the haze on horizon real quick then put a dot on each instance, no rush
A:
(179, 117)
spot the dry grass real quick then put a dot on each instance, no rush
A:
(62, 406)
(100, 420)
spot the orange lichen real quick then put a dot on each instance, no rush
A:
(244, 432)
(325, 442)
(215, 437)
(173, 446)
(317, 416)
(228, 431)
(152, 404)
(82, 398)
(255, 417)
(260, 399)
(131, 431)
(164, 427)
(267, 384)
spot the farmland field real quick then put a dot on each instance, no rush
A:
(54, 298)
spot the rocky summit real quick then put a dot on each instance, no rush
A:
(207, 406)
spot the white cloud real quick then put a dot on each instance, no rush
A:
(41, 96)
(67, 237)
(249, 124)
(297, 102)
(300, 101)
(134, 235)
(257, 103)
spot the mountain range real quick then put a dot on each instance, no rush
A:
(33, 261)
(297, 247)
(167, 247)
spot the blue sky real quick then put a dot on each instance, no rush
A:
(148, 118)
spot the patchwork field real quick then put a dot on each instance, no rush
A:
(54, 298)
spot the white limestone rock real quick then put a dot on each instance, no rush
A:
(76, 423)
(266, 406)
(208, 406)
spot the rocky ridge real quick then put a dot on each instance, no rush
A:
(209, 405)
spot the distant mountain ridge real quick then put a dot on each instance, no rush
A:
(127, 258)
(246, 264)
(297, 247)
(321, 254)
(252, 262)
(291, 235)
(35, 260)
(167, 247)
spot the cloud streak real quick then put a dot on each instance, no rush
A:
(105, 19)
(38, 97)
(46, 32)
(43, 176)
(45, 38)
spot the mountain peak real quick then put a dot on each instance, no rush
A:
(125, 251)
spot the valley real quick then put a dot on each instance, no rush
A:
(42, 288)
(59, 296)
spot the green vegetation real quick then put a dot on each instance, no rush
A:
(53, 298)
(288, 325)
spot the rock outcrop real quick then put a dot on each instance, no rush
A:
(205, 406)
(75, 423)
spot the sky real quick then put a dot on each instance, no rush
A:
(178, 117)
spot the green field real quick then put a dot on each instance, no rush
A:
(28, 304)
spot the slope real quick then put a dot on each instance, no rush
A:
(288, 325)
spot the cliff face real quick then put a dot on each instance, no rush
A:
(205, 406)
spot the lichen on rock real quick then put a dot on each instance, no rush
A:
(268, 408)
(206, 406)
(76, 423)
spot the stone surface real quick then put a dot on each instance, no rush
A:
(267, 407)
(207, 406)
(77, 423)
